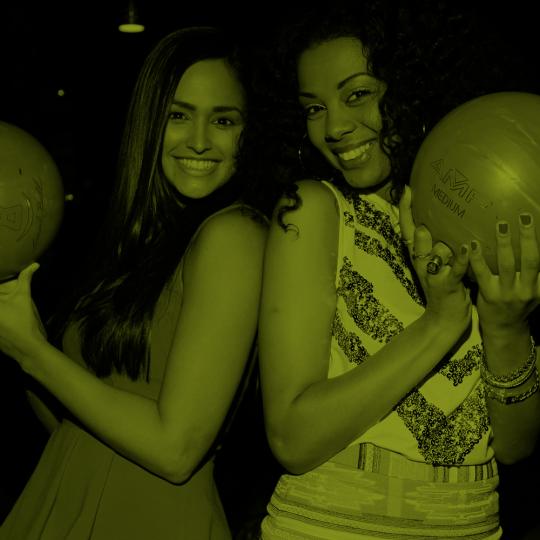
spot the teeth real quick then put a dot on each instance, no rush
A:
(352, 154)
(197, 164)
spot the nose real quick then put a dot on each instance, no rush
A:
(338, 124)
(198, 140)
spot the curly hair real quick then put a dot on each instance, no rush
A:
(432, 55)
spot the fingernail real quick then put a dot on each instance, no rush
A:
(474, 245)
(503, 227)
(525, 219)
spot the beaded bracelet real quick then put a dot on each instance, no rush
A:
(516, 377)
(506, 398)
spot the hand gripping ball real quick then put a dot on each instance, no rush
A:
(478, 165)
(31, 200)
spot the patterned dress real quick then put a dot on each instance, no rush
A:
(425, 470)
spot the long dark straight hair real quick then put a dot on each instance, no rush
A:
(149, 224)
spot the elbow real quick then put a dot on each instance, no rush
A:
(505, 459)
(167, 469)
(176, 467)
(290, 455)
(180, 469)
(513, 454)
(176, 473)
(509, 458)
(179, 466)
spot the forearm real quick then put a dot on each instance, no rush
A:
(515, 426)
(330, 414)
(129, 423)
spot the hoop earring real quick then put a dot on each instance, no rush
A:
(309, 171)
(302, 162)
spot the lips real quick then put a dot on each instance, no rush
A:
(197, 164)
(354, 155)
(352, 150)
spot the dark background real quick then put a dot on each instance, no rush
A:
(75, 48)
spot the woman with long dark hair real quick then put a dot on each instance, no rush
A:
(164, 327)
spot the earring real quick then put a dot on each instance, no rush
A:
(319, 170)
(302, 163)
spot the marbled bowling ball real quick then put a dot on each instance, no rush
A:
(31, 199)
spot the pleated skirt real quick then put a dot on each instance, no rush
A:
(83, 490)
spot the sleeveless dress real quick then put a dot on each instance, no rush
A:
(82, 489)
(426, 469)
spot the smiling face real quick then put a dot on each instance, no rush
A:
(341, 103)
(205, 121)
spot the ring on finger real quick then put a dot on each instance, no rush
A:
(434, 264)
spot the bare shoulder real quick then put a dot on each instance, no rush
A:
(313, 188)
(318, 207)
(316, 194)
(235, 222)
(236, 231)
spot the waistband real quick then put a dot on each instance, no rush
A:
(371, 458)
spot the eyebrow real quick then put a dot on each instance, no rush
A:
(340, 85)
(217, 108)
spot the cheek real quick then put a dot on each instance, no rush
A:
(231, 144)
(167, 141)
(315, 132)
(163, 152)
(375, 117)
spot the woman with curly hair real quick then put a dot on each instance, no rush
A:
(163, 331)
(375, 398)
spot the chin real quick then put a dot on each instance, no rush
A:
(362, 181)
(197, 188)
(370, 179)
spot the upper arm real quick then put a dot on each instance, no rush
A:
(215, 330)
(298, 301)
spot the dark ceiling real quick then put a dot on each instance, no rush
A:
(75, 48)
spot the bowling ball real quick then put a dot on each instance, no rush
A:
(480, 164)
(31, 199)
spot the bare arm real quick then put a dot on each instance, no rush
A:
(309, 417)
(216, 328)
(516, 426)
(505, 302)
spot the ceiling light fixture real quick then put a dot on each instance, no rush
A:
(131, 24)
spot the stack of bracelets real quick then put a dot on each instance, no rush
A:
(506, 389)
